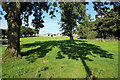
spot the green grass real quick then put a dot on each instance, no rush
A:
(55, 57)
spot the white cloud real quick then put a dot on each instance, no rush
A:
(43, 30)
(51, 24)
(31, 26)
(99, 16)
(3, 24)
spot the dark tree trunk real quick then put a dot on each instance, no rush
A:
(14, 23)
(71, 38)
(3, 33)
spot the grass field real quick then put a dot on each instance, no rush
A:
(55, 57)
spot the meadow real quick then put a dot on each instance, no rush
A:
(56, 57)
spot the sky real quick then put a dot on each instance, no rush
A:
(50, 25)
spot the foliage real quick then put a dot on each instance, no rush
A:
(29, 8)
(109, 21)
(72, 13)
(27, 31)
(109, 24)
(86, 29)
(103, 7)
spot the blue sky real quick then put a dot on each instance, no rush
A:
(50, 25)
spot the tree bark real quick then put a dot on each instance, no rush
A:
(14, 23)
(71, 36)
(71, 39)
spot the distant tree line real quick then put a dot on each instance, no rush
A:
(24, 32)
(27, 31)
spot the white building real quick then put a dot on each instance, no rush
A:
(51, 35)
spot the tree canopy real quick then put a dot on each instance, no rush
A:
(72, 14)
(86, 29)
(26, 31)
(109, 24)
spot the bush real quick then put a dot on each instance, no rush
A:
(91, 35)
(26, 31)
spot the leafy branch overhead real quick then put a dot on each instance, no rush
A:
(29, 8)
(109, 23)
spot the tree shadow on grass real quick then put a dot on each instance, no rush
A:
(77, 50)
(33, 54)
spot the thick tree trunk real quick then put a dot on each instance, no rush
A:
(14, 23)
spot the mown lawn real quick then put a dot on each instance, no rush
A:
(55, 57)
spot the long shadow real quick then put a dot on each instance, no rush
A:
(33, 54)
(77, 50)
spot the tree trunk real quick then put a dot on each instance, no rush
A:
(71, 39)
(71, 36)
(113, 37)
(14, 23)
